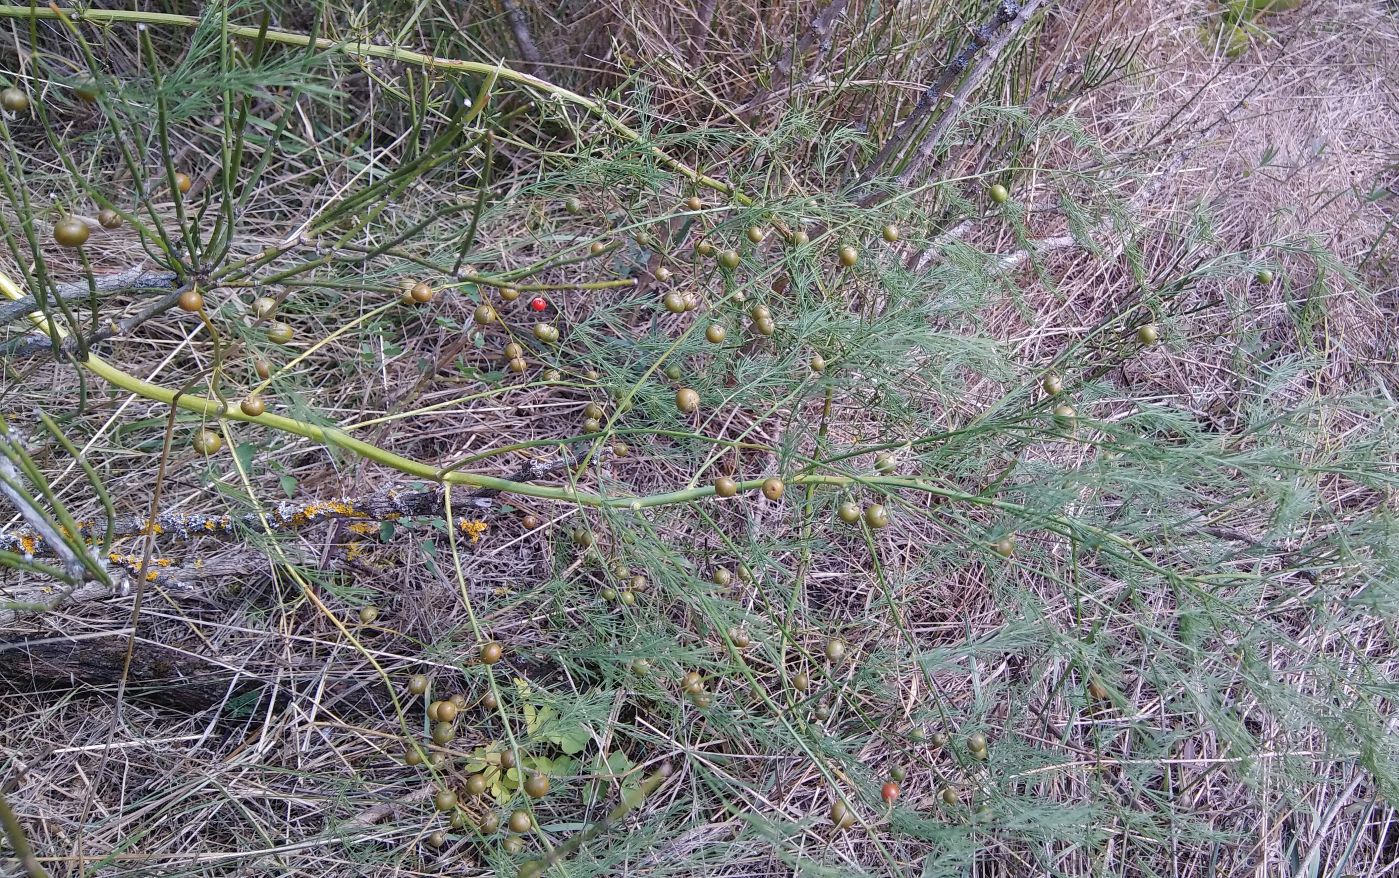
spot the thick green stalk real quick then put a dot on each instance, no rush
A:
(338, 438)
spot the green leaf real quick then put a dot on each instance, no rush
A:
(531, 714)
(615, 764)
(573, 740)
(385, 531)
(564, 765)
(547, 715)
(288, 486)
(244, 453)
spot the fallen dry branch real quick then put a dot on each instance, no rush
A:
(129, 281)
(34, 595)
(388, 505)
(168, 676)
(286, 516)
(37, 343)
(159, 674)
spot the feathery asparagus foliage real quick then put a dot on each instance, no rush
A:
(1104, 593)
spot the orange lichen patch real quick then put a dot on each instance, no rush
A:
(297, 518)
(353, 550)
(315, 511)
(365, 528)
(154, 528)
(472, 528)
(132, 563)
(28, 543)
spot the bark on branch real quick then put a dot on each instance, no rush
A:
(985, 61)
(175, 678)
(130, 280)
(388, 505)
(159, 674)
(519, 26)
(819, 29)
(1008, 12)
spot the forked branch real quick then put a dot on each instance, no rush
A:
(1009, 16)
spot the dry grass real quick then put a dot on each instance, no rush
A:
(1248, 656)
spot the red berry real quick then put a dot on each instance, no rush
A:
(538, 303)
(890, 792)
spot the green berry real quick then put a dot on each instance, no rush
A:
(876, 516)
(70, 232)
(14, 100)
